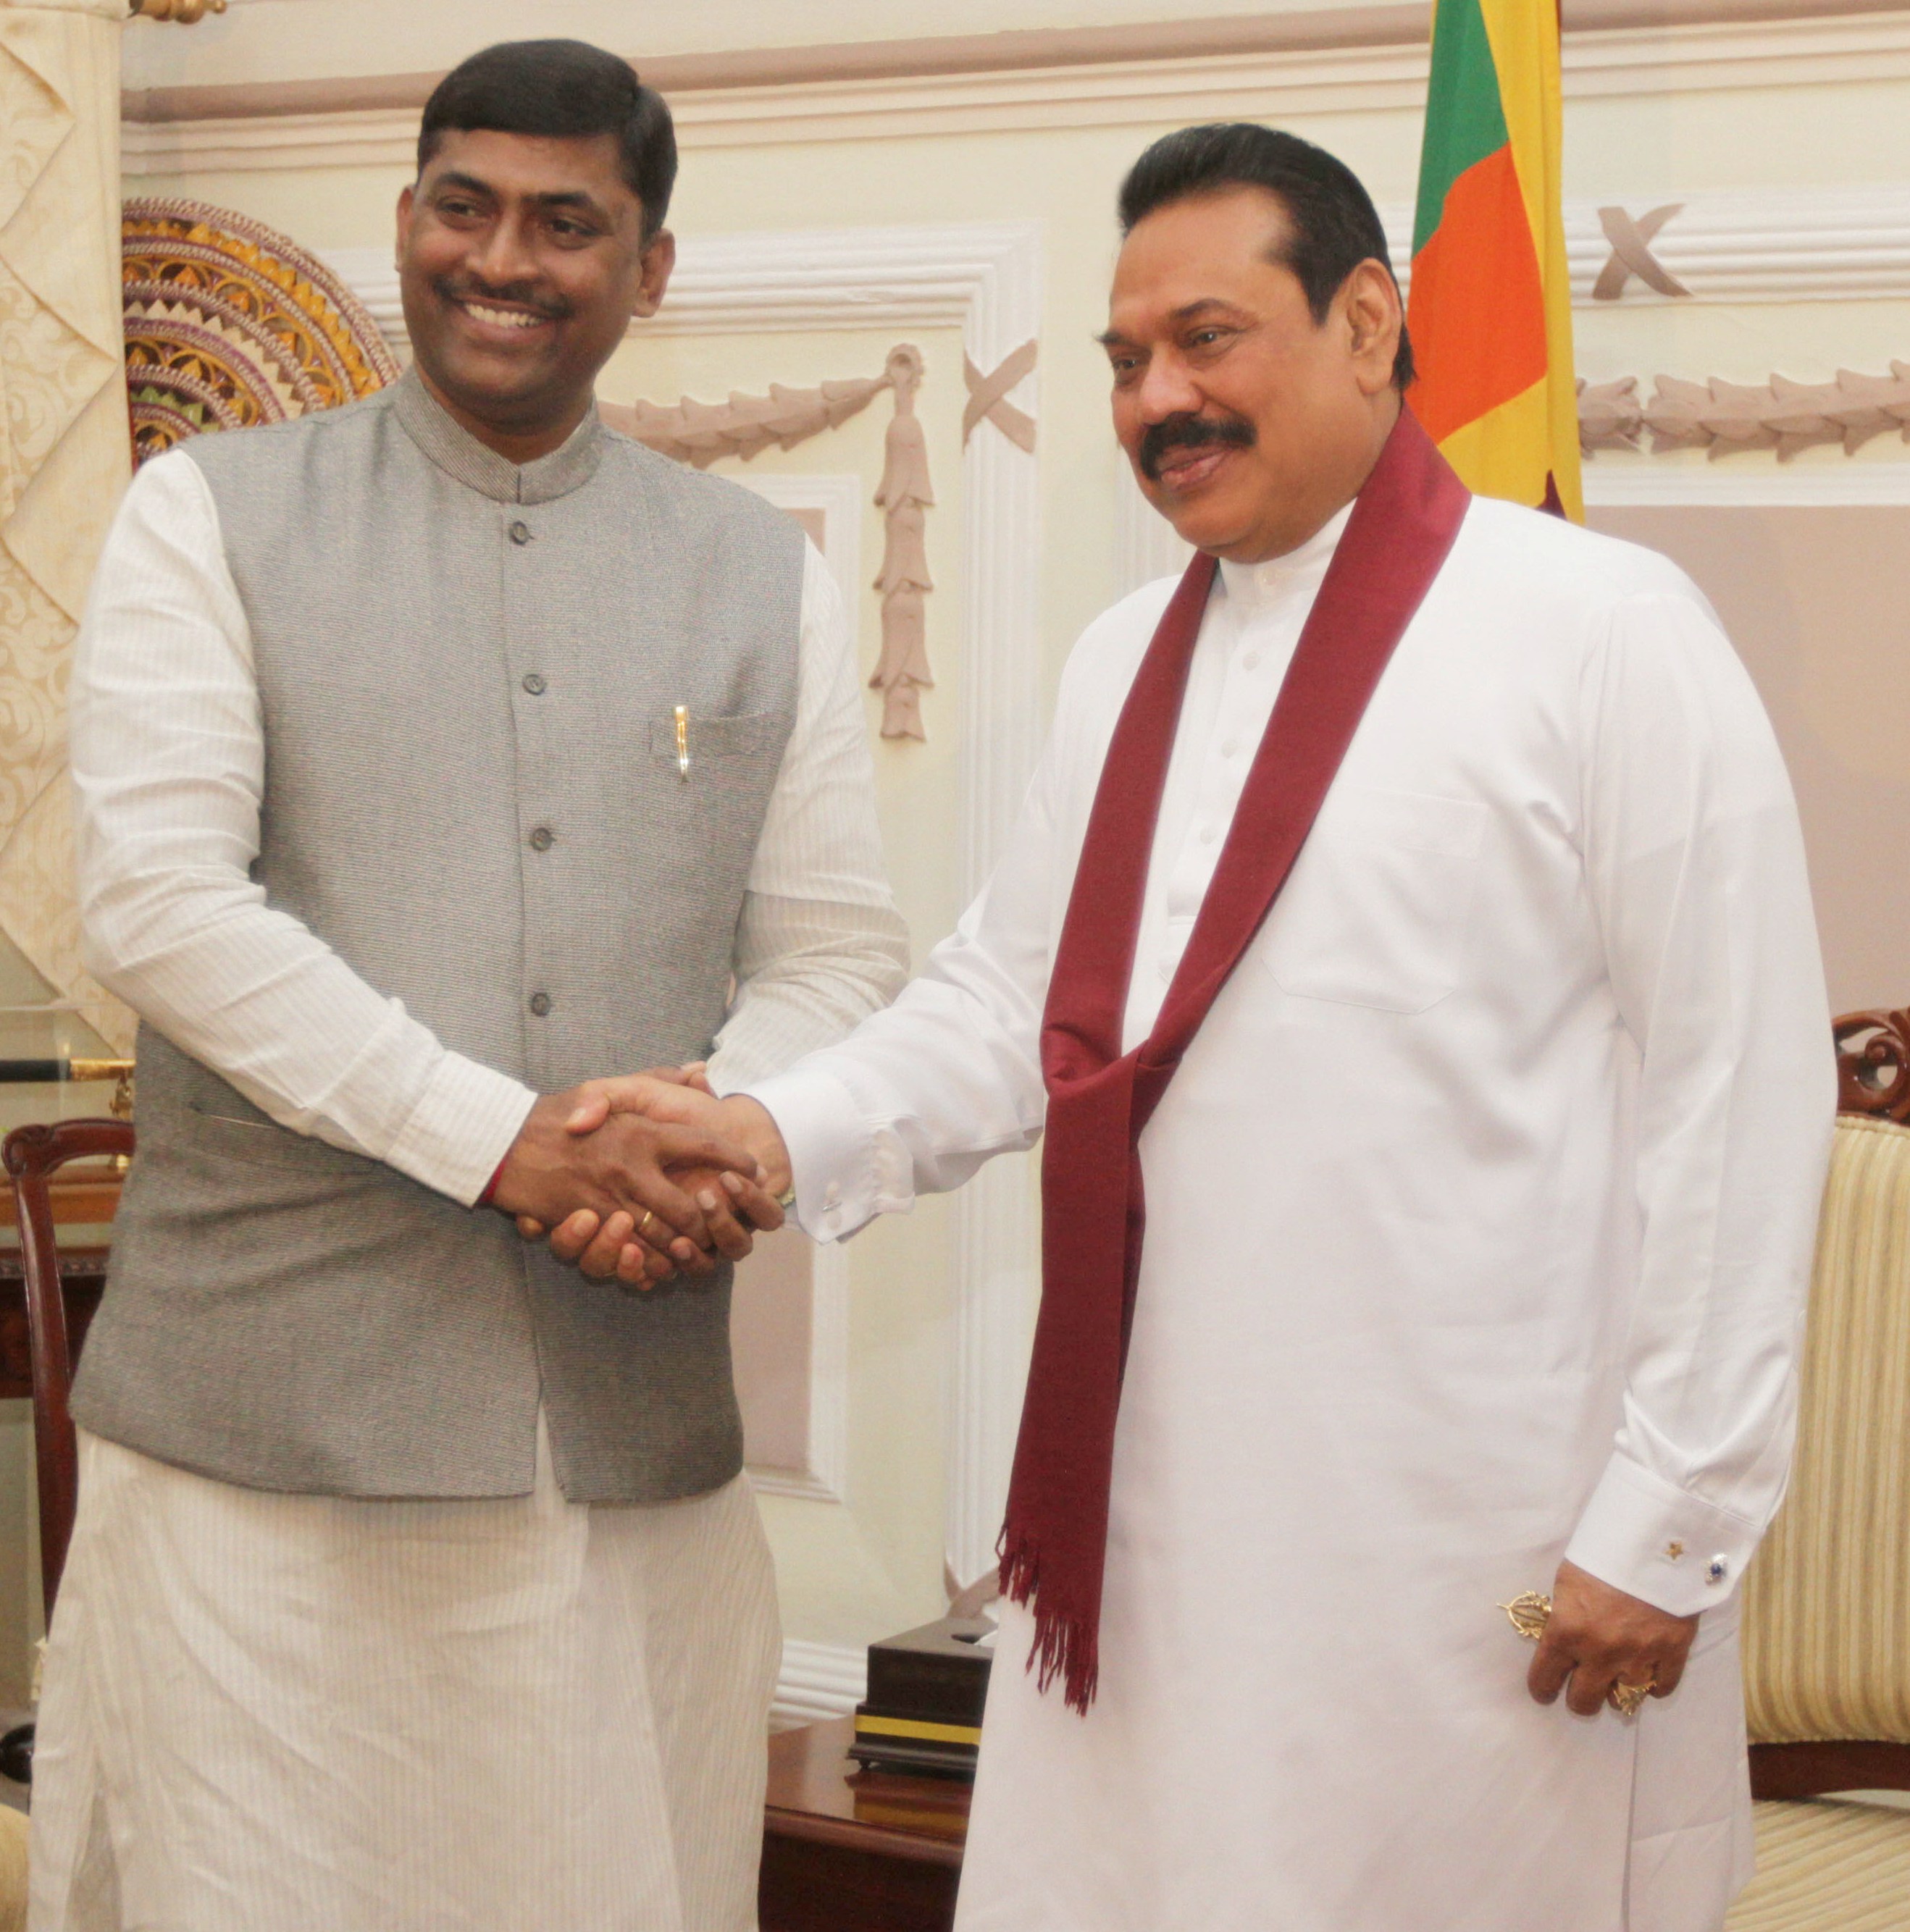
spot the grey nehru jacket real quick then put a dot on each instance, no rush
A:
(468, 673)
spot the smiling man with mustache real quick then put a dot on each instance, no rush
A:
(432, 755)
(1406, 950)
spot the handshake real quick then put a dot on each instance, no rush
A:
(645, 1176)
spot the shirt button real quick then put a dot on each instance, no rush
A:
(1166, 969)
(1208, 835)
(1231, 749)
(534, 685)
(1717, 1570)
(1251, 661)
(833, 1195)
(542, 839)
(519, 532)
(540, 1004)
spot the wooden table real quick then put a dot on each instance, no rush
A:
(850, 1850)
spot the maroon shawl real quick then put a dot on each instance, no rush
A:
(1403, 523)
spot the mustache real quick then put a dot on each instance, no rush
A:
(521, 295)
(1189, 432)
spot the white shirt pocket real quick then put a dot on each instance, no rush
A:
(1379, 906)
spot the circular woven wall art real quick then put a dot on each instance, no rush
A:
(228, 324)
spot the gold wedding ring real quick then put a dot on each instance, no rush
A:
(650, 1215)
(1625, 1698)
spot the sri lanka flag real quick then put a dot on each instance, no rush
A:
(1490, 308)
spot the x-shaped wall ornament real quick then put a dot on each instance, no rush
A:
(1631, 254)
(988, 398)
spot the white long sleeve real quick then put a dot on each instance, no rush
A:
(168, 765)
(1695, 867)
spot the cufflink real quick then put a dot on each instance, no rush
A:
(1717, 1570)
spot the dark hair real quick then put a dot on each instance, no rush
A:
(1335, 227)
(566, 89)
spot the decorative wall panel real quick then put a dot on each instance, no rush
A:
(229, 324)
(62, 446)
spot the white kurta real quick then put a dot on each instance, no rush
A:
(1479, 1215)
(309, 1714)
(295, 1713)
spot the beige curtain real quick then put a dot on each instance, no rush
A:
(64, 448)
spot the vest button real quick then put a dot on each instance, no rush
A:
(519, 532)
(540, 1004)
(534, 685)
(542, 839)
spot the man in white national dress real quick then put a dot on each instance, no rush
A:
(1481, 1152)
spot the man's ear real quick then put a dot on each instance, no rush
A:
(659, 258)
(1372, 319)
(407, 201)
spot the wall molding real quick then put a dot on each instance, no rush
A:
(1275, 74)
(825, 1477)
(1840, 243)
(1402, 23)
(1725, 418)
(817, 1680)
(995, 1252)
(838, 496)
(929, 275)
(1828, 482)
(1145, 546)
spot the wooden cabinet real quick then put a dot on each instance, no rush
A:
(847, 1850)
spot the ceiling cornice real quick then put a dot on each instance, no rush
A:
(1023, 50)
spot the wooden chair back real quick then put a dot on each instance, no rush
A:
(33, 1155)
(1826, 1614)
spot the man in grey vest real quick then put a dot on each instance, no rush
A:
(433, 756)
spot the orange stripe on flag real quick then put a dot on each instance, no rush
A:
(1477, 301)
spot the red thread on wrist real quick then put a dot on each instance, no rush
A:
(491, 1185)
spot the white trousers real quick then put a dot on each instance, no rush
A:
(267, 1713)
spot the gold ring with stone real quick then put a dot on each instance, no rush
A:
(1627, 1699)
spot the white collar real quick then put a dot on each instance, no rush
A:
(1259, 586)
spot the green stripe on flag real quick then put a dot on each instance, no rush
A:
(1465, 118)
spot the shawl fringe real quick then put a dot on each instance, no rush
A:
(1066, 1646)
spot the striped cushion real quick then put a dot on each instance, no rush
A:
(1827, 1604)
(13, 1870)
(1828, 1867)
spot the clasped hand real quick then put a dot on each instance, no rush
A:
(639, 1177)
